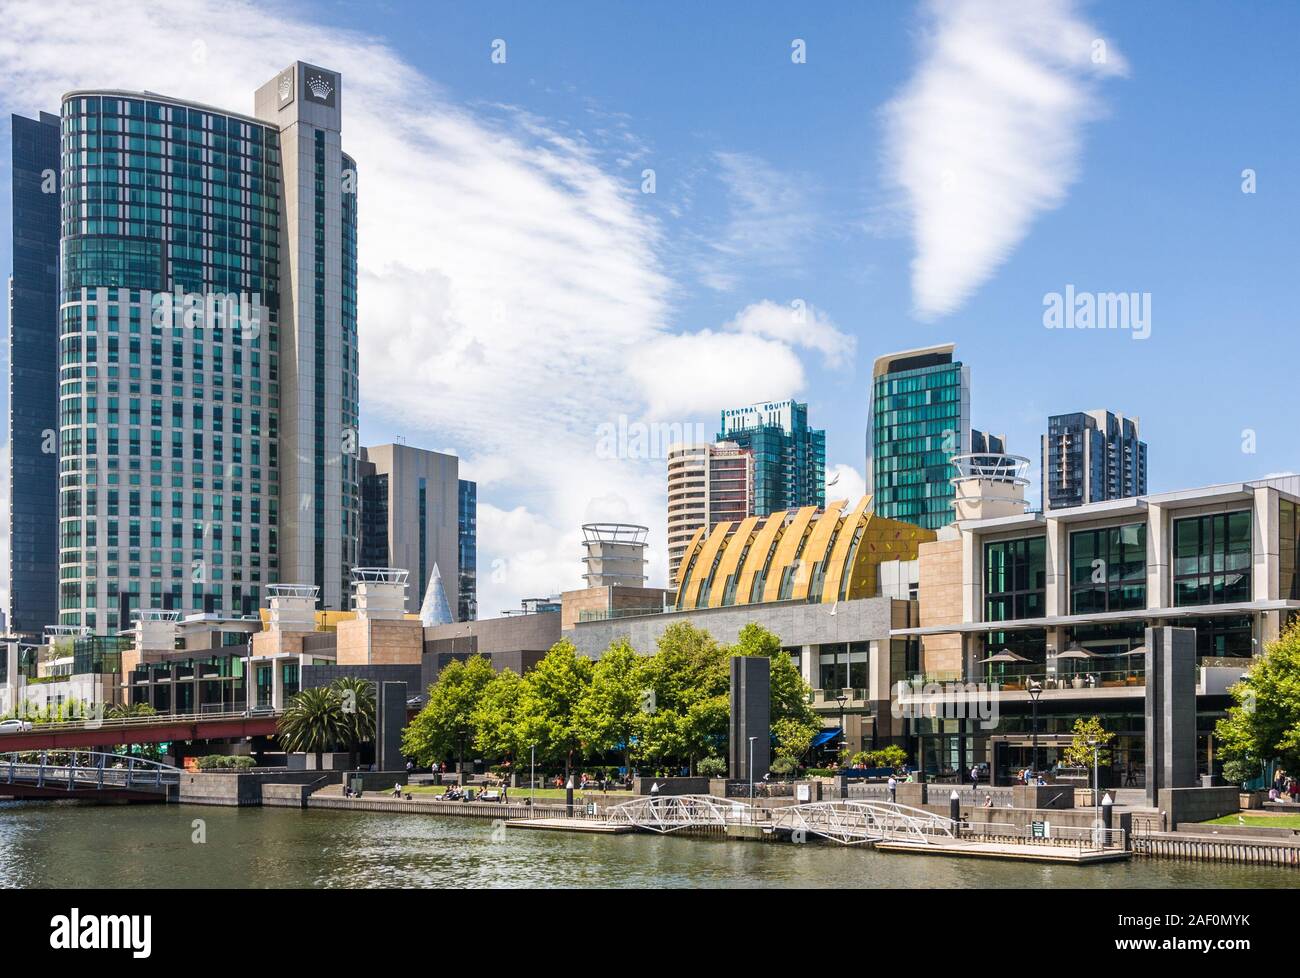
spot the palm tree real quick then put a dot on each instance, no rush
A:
(357, 704)
(313, 722)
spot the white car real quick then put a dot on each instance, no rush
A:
(14, 726)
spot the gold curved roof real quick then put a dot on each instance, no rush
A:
(838, 561)
(764, 540)
(704, 563)
(687, 556)
(787, 552)
(729, 566)
(848, 547)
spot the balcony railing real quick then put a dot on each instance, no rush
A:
(1018, 680)
(825, 698)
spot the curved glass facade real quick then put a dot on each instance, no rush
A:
(169, 320)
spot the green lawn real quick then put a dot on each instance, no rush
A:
(516, 794)
(1272, 821)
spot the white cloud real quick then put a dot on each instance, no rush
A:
(708, 370)
(797, 324)
(845, 482)
(769, 221)
(986, 134)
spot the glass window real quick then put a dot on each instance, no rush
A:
(1108, 569)
(1212, 559)
(1015, 579)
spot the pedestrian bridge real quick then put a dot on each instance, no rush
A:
(854, 822)
(846, 822)
(63, 773)
(668, 813)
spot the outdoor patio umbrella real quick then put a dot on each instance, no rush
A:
(1076, 651)
(1006, 655)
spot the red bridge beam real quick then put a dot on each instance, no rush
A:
(137, 733)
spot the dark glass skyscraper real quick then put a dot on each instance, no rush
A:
(789, 457)
(1091, 456)
(467, 547)
(33, 378)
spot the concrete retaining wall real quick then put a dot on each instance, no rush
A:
(241, 788)
(1242, 831)
(292, 795)
(1198, 804)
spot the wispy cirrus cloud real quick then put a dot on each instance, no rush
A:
(770, 219)
(987, 133)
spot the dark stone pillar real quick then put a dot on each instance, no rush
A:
(390, 718)
(751, 715)
(1170, 710)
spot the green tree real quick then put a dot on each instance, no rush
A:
(547, 706)
(794, 722)
(356, 699)
(1264, 723)
(1079, 752)
(608, 711)
(689, 678)
(495, 717)
(444, 726)
(312, 722)
(793, 737)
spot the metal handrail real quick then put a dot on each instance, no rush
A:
(1081, 836)
(136, 721)
(136, 772)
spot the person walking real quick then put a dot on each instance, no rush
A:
(893, 789)
(974, 779)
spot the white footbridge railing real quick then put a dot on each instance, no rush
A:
(851, 822)
(846, 822)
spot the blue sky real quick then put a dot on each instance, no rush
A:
(776, 182)
(1213, 88)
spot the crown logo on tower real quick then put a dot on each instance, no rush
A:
(319, 87)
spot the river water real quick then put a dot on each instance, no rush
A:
(63, 845)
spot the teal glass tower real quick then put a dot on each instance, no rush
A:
(789, 456)
(918, 420)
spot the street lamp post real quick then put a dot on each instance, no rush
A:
(750, 769)
(841, 699)
(1035, 689)
(532, 775)
(1096, 779)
